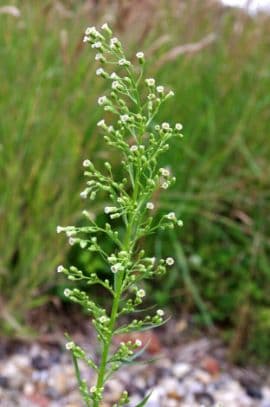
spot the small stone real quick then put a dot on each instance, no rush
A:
(211, 365)
(180, 370)
(254, 392)
(40, 363)
(205, 399)
(4, 382)
(28, 389)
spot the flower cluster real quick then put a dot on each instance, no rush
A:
(130, 126)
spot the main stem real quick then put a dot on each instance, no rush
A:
(115, 305)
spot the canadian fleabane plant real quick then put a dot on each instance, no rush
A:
(131, 106)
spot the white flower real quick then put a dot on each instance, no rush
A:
(150, 81)
(98, 57)
(165, 126)
(180, 223)
(116, 267)
(123, 62)
(178, 126)
(165, 185)
(134, 148)
(91, 30)
(171, 93)
(84, 194)
(86, 38)
(105, 27)
(102, 100)
(110, 209)
(138, 343)
(160, 312)
(103, 319)
(59, 229)
(93, 389)
(114, 42)
(70, 345)
(97, 45)
(67, 292)
(171, 216)
(140, 55)
(150, 205)
(114, 75)
(86, 163)
(164, 172)
(116, 85)
(100, 71)
(169, 261)
(160, 89)
(101, 123)
(71, 241)
(60, 269)
(141, 293)
(124, 118)
(153, 260)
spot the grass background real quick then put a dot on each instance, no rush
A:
(48, 126)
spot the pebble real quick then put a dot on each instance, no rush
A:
(40, 378)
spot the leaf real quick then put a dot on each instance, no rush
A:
(144, 401)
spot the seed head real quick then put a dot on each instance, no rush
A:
(150, 205)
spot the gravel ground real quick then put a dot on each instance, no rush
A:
(189, 374)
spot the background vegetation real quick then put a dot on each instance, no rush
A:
(217, 60)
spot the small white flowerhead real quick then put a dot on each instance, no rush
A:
(70, 345)
(116, 85)
(91, 30)
(97, 45)
(101, 123)
(180, 223)
(84, 194)
(114, 75)
(99, 57)
(93, 389)
(165, 126)
(141, 293)
(100, 71)
(116, 267)
(71, 241)
(86, 38)
(102, 100)
(160, 312)
(160, 89)
(67, 292)
(171, 216)
(138, 343)
(60, 269)
(86, 163)
(134, 148)
(124, 118)
(164, 172)
(165, 185)
(150, 82)
(115, 43)
(103, 319)
(150, 206)
(169, 261)
(170, 94)
(59, 229)
(123, 62)
(105, 27)
(178, 126)
(110, 209)
(140, 56)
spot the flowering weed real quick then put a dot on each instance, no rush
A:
(134, 102)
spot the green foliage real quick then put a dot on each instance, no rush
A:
(133, 102)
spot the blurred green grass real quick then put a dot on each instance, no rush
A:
(48, 125)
